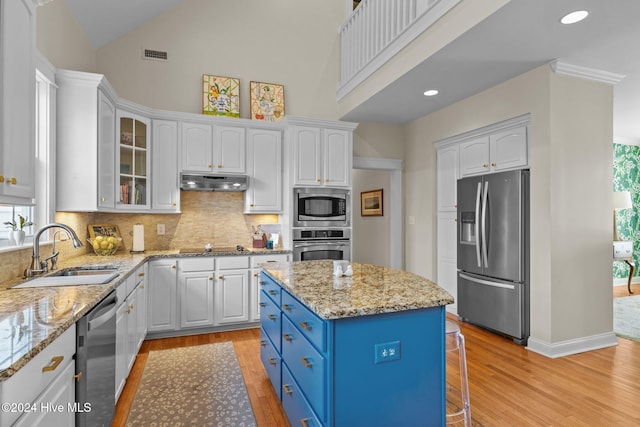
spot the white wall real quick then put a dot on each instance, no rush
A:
(371, 234)
(570, 158)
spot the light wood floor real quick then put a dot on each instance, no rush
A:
(509, 385)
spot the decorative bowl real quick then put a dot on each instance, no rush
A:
(105, 245)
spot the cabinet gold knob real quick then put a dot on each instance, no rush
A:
(219, 166)
(255, 275)
(326, 180)
(1, 178)
(209, 165)
(78, 376)
(140, 274)
(102, 199)
(13, 181)
(173, 204)
(319, 180)
(493, 164)
(251, 205)
(221, 277)
(211, 278)
(173, 266)
(485, 165)
(142, 286)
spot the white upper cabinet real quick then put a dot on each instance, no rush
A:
(133, 160)
(17, 101)
(85, 147)
(502, 150)
(212, 148)
(165, 191)
(322, 156)
(264, 167)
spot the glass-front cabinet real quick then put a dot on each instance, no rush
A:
(132, 161)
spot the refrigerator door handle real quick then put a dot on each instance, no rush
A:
(484, 225)
(486, 282)
(476, 225)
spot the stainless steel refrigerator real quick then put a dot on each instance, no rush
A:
(493, 252)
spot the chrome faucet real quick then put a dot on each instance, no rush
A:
(39, 267)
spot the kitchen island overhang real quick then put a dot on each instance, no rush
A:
(362, 350)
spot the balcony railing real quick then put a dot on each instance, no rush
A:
(377, 30)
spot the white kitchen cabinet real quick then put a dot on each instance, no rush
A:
(85, 146)
(196, 292)
(141, 310)
(494, 152)
(447, 255)
(321, 156)
(17, 101)
(264, 167)
(165, 189)
(121, 347)
(447, 176)
(212, 148)
(232, 290)
(46, 379)
(162, 295)
(133, 161)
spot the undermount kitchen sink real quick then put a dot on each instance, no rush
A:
(87, 275)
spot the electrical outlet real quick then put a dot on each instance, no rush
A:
(160, 229)
(387, 352)
(412, 220)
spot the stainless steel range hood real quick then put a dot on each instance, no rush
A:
(212, 182)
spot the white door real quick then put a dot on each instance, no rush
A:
(307, 156)
(474, 156)
(165, 188)
(161, 295)
(264, 166)
(196, 299)
(509, 149)
(337, 157)
(197, 147)
(232, 296)
(106, 152)
(228, 149)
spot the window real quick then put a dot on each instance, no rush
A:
(43, 211)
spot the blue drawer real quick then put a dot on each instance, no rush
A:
(272, 289)
(294, 403)
(309, 324)
(271, 319)
(306, 364)
(271, 361)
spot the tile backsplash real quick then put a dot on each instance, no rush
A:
(207, 217)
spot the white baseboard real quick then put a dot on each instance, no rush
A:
(578, 345)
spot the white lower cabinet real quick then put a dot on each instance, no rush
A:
(232, 290)
(162, 295)
(131, 323)
(46, 381)
(196, 291)
(254, 286)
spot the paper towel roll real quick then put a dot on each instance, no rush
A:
(138, 238)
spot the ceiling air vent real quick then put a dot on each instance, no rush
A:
(156, 55)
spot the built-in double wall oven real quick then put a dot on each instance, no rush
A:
(321, 221)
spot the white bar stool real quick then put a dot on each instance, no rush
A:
(458, 406)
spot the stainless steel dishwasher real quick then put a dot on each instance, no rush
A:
(96, 364)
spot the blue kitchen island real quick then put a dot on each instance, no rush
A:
(366, 350)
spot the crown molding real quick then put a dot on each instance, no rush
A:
(602, 76)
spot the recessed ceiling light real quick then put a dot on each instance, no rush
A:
(573, 17)
(431, 92)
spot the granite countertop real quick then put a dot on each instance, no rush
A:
(32, 318)
(371, 290)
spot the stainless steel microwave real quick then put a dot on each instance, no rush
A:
(321, 207)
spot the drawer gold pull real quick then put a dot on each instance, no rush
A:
(140, 274)
(305, 361)
(304, 422)
(287, 389)
(272, 361)
(263, 343)
(287, 307)
(287, 337)
(305, 326)
(55, 361)
(13, 181)
(78, 376)
(173, 266)
(262, 304)
(272, 317)
(142, 286)
(273, 293)
(256, 274)
(221, 277)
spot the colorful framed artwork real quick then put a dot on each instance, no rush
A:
(267, 101)
(371, 203)
(220, 96)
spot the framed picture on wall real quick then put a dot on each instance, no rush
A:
(371, 203)
(267, 101)
(220, 96)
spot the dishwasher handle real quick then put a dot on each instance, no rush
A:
(102, 313)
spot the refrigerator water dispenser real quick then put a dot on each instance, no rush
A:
(468, 228)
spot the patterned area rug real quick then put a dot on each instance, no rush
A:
(189, 386)
(626, 317)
